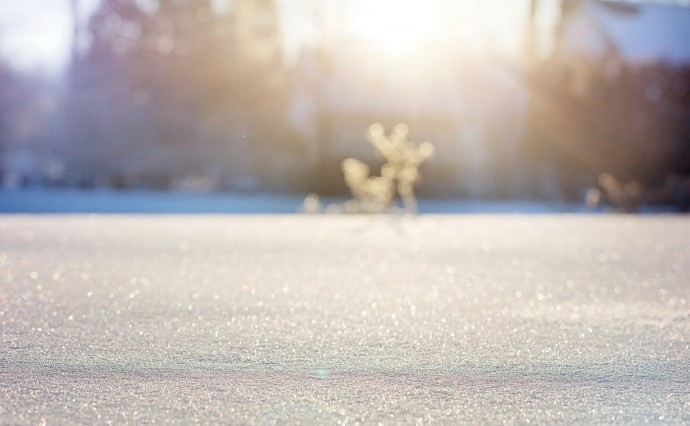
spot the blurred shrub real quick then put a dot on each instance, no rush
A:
(630, 196)
(399, 174)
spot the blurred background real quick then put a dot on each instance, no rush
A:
(522, 99)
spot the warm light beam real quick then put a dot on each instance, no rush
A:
(395, 25)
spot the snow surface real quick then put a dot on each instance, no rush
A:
(343, 319)
(41, 200)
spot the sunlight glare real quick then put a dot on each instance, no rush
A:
(395, 25)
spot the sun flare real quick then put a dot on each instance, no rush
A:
(395, 25)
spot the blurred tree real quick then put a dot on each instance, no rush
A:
(7, 103)
(27, 106)
(176, 88)
(593, 113)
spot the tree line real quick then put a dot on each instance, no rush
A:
(156, 91)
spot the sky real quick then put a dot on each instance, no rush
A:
(36, 34)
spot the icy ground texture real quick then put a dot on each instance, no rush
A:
(333, 319)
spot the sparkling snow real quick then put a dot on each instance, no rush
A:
(344, 319)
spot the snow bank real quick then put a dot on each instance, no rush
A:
(335, 319)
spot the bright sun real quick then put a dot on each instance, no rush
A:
(395, 25)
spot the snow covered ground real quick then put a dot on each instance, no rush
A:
(38, 200)
(343, 319)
